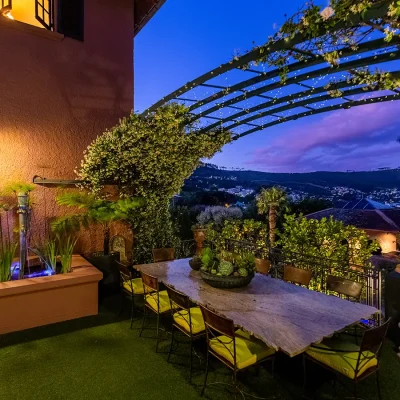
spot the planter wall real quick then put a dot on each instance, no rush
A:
(29, 303)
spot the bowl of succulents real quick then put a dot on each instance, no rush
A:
(195, 263)
(226, 270)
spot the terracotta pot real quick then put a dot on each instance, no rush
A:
(199, 237)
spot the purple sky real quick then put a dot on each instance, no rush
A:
(185, 40)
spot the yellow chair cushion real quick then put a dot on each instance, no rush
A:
(248, 350)
(344, 363)
(182, 319)
(137, 286)
(151, 300)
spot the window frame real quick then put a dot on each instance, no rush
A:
(49, 11)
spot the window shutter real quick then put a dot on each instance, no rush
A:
(44, 13)
(5, 5)
(71, 18)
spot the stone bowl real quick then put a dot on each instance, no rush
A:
(226, 282)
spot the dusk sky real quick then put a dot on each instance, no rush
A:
(187, 38)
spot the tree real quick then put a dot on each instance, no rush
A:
(269, 201)
(150, 156)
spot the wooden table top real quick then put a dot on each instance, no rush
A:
(286, 317)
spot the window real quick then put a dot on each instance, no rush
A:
(44, 13)
(70, 18)
(40, 13)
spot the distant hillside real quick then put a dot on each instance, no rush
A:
(379, 184)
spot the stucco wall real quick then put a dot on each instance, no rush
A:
(57, 94)
(387, 240)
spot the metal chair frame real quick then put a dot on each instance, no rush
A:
(126, 277)
(163, 254)
(179, 303)
(372, 341)
(217, 325)
(297, 275)
(152, 288)
(344, 287)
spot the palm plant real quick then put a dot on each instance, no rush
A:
(95, 210)
(268, 202)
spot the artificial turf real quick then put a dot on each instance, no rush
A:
(101, 358)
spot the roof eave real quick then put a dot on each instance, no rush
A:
(147, 17)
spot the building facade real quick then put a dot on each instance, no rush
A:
(67, 75)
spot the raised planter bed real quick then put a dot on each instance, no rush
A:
(33, 302)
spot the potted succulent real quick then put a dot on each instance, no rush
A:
(219, 272)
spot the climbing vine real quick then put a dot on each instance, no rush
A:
(149, 157)
(331, 33)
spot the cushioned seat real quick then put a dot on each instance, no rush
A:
(248, 350)
(182, 319)
(137, 286)
(151, 300)
(342, 362)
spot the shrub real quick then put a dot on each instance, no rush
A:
(150, 156)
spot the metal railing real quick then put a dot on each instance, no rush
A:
(371, 278)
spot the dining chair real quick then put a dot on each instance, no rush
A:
(355, 362)
(344, 287)
(130, 288)
(263, 266)
(187, 320)
(235, 348)
(155, 300)
(165, 254)
(350, 290)
(296, 275)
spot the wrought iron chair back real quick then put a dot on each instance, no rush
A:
(344, 286)
(125, 275)
(180, 300)
(180, 304)
(373, 339)
(151, 288)
(165, 254)
(263, 266)
(297, 275)
(217, 325)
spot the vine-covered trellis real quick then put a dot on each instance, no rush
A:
(321, 60)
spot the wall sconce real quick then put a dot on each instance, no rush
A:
(6, 12)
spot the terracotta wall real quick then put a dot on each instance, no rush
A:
(387, 240)
(57, 94)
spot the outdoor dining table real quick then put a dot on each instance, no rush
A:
(285, 316)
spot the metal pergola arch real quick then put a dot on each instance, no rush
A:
(312, 99)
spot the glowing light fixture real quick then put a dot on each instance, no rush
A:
(6, 12)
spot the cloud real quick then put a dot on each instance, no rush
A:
(360, 138)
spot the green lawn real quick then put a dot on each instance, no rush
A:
(101, 358)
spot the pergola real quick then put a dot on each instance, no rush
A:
(244, 97)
